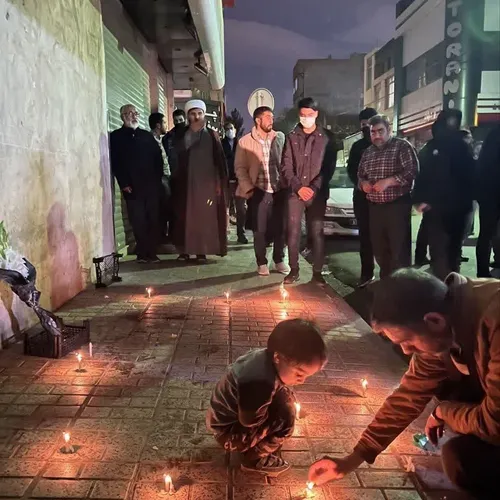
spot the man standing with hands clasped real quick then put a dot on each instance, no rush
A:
(307, 167)
(386, 174)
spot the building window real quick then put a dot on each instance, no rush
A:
(425, 69)
(389, 92)
(379, 102)
(369, 72)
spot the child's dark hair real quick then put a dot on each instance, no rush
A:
(299, 340)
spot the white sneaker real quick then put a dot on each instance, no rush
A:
(282, 268)
(263, 270)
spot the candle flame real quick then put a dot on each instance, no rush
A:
(167, 478)
(310, 485)
(149, 290)
(227, 294)
(79, 357)
(284, 294)
(66, 436)
(364, 383)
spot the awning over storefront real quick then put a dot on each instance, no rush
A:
(209, 22)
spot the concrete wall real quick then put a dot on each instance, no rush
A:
(423, 30)
(337, 84)
(54, 168)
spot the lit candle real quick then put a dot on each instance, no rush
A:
(284, 296)
(169, 485)
(79, 358)
(90, 349)
(227, 295)
(68, 447)
(297, 410)
(149, 291)
(364, 386)
(309, 490)
(284, 314)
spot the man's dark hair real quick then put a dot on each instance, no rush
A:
(298, 340)
(229, 124)
(178, 112)
(380, 120)
(405, 297)
(367, 113)
(309, 103)
(155, 119)
(260, 111)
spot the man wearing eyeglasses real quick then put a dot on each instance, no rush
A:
(137, 163)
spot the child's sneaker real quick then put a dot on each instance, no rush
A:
(271, 466)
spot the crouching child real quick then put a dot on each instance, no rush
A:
(252, 409)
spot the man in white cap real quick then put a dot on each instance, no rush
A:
(200, 197)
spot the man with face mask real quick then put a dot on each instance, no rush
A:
(173, 136)
(307, 167)
(361, 207)
(137, 163)
(237, 203)
(200, 189)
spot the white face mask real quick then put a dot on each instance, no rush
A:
(307, 121)
(231, 133)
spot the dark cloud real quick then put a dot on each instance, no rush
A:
(264, 39)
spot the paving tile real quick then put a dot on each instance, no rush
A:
(155, 491)
(355, 494)
(20, 468)
(108, 470)
(261, 493)
(410, 495)
(61, 488)
(13, 487)
(380, 479)
(63, 470)
(116, 490)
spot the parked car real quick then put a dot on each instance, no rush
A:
(339, 215)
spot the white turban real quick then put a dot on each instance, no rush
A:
(195, 104)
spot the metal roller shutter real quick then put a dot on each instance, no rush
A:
(162, 85)
(126, 83)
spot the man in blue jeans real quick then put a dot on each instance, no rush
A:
(307, 167)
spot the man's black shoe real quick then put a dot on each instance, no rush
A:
(293, 277)
(242, 240)
(422, 262)
(365, 281)
(464, 259)
(154, 259)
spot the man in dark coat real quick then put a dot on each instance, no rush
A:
(360, 203)
(308, 165)
(200, 189)
(488, 195)
(237, 205)
(444, 191)
(137, 164)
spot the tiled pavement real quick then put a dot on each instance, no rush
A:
(137, 410)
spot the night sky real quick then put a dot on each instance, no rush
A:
(264, 39)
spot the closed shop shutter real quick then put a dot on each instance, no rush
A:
(126, 83)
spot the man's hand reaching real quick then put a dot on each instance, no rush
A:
(333, 469)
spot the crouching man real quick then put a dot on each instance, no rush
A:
(452, 330)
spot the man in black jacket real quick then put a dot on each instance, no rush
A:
(361, 205)
(237, 204)
(137, 163)
(444, 191)
(488, 195)
(308, 164)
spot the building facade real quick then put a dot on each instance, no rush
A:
(337, 84)
(68, 66)
(380, 80)
(447, 56)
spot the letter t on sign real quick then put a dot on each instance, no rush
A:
(454, 5)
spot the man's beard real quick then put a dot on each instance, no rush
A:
(133, 125)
